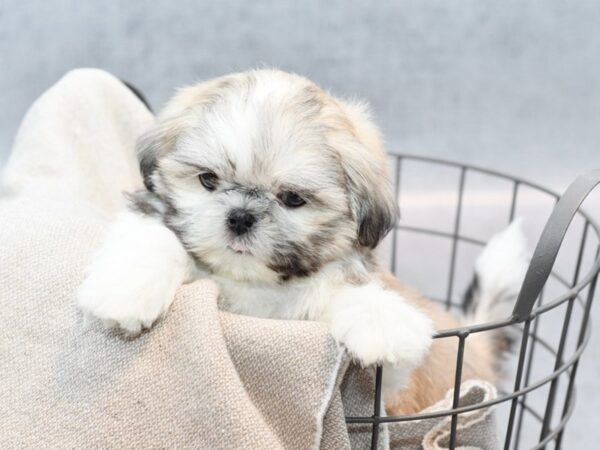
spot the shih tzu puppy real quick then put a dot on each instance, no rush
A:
(279, 192)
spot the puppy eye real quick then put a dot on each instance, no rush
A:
(291, 199)
(209, 180)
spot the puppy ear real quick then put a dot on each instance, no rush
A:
(157, 141)
(371, 195)
(161, 137)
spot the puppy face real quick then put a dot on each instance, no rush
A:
(264, 177)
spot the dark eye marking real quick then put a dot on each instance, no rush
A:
(209, 180)
(291, 199)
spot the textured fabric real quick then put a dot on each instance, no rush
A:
(200, 378)
(476, 430)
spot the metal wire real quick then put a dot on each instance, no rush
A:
(528, 311)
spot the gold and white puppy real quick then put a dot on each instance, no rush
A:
(278, 192)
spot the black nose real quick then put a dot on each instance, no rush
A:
(240, 221)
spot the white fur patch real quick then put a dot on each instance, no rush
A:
(500, 270)
(133, 277)
(379, 326)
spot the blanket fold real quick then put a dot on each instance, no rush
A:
(201, 378)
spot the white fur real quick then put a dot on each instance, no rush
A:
(500, 270)
(378, 326)
(133, 277)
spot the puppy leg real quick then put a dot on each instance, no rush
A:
(379, 326)
(133, 277)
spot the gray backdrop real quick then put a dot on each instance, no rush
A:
(514, 85)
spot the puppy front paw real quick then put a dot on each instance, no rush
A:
(378, 326)
(130, 300)
(134, 276)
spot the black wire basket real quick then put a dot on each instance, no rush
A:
(539, 396)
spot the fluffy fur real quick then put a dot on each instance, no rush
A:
(246, 143)
(130, 282)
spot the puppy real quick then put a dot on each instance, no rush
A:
(278, 192)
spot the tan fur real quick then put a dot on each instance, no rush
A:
(430, 382)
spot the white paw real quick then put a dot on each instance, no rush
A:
(378, 326)
(134, 276)
(131, 300)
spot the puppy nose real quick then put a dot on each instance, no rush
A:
(240, 221)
